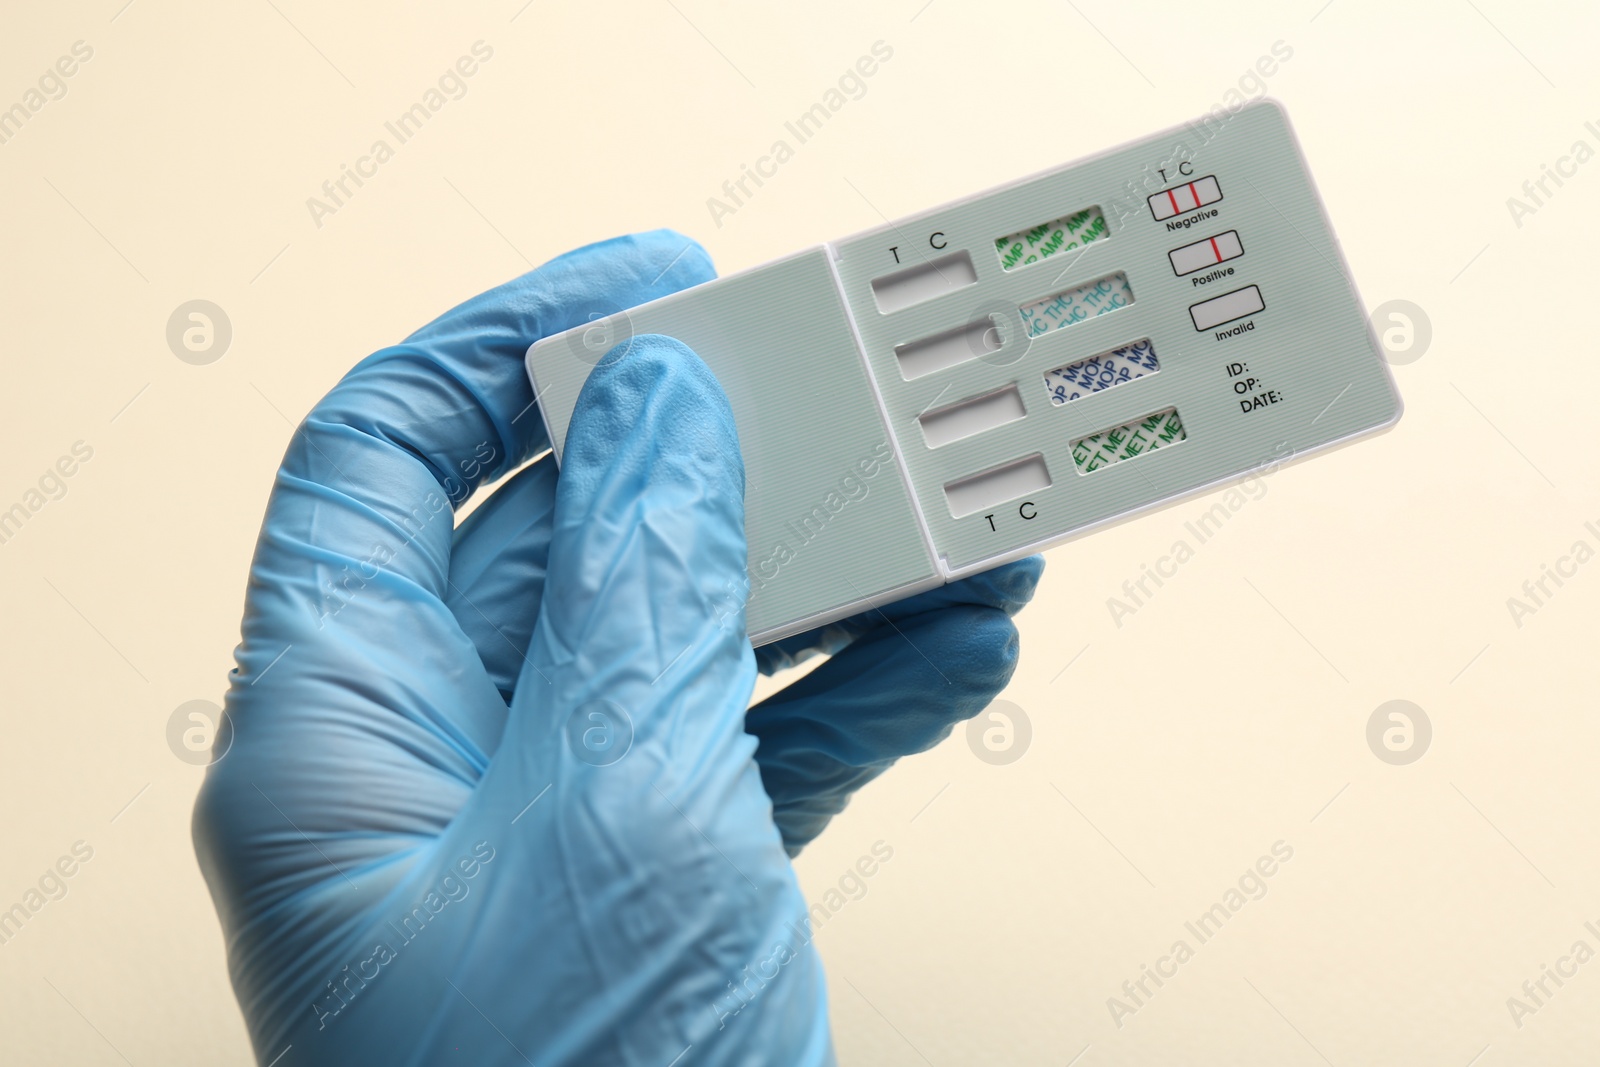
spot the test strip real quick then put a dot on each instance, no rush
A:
(1086, 376)
(1087, 301)
(1207, 252)
(1040, 242)
(1120, 443)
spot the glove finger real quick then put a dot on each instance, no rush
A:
(497, 570)
(1007, 588)
(473, 354)
(347, 644)
(379, 462)
(895, 689)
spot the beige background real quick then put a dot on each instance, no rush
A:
(1167, 754)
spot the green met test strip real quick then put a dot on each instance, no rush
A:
(972, 384)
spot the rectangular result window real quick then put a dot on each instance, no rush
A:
(1051, 238)
(970, 417)
(1110, 447)
(923, 357)
(984, 490)
(915, 285)
(1087, 301)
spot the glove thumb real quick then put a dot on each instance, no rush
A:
(642, 619)
(655, 847)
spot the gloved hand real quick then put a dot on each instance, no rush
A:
(492, 794)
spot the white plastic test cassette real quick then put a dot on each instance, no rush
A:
(969, 385)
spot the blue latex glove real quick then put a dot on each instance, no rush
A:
(492, 794)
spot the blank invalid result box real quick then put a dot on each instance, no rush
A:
(1226, 308)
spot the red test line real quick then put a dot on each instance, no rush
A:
(1215, 250)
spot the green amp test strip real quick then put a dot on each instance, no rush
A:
(975, 383)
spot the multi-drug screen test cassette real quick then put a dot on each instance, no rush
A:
(969, 385)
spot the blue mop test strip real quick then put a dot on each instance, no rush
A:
(977, 382)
